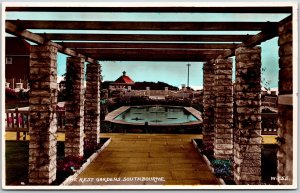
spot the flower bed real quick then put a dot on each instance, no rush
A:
(222, 169)
(71, 166)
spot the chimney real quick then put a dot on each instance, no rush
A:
(124, 73)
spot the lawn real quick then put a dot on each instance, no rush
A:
(16, 157)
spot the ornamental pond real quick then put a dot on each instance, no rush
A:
(155, 119)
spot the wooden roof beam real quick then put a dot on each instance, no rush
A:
(177, 9)
(15, 30)
(123, 25)
(147, 37)
(148, 45)
(263, 36)
(147, 57)
(153, 52)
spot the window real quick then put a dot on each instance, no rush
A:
(8, 60)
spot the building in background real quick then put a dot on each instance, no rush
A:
(124, 82)
(17, 53)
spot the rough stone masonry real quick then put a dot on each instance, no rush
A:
(208, 103)
(223, 141)
(247, 134)
(92, 104)
(42, 111)
(74, 107)
(285, 110)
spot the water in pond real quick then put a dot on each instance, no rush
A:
(156, 115)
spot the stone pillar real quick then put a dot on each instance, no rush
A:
(247, 134)
(92, 104)
(74, 107)
(208, 103)
(42, 112)
(223, 142)
(285, 105)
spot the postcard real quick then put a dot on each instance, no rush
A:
(149, 95)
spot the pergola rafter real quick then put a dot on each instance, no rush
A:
(15, 30)
(146, 37)
(124, 25)
(168, 9)
(126, 51)
(146, 54)
(268, 31)
(185, 46)
(256, 40)
(147, 57)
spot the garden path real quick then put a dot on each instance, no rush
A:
(169, 157)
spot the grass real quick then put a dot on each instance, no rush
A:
(12, 136)
(16, 160)
(16, 156)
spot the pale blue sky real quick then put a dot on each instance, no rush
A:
(174, 73)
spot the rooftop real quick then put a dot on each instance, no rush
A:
(124, 79)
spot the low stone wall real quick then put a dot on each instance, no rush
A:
(169, 93)
(108, 127)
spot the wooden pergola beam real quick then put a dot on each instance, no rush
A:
(153, 52)
(15, 30)
(178, 9)
(146, 37)
(123, 25)
(265, 35)
(147, 57)
(148, 45)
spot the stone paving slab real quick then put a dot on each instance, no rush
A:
(133, 159)
(267, 139)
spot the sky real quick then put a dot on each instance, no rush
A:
(174, 73)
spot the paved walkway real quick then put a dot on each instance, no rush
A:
(171, 158)
(267, 139)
